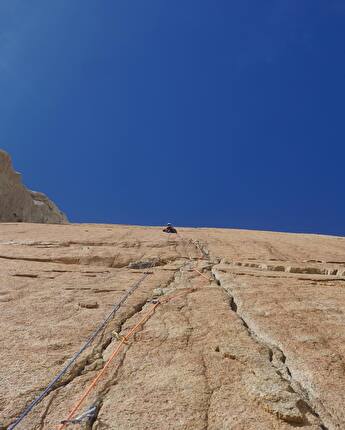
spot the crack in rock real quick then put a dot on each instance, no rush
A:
(95, 361)
(306, 270)
(287, 398)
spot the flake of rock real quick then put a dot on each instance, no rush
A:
(89, 305)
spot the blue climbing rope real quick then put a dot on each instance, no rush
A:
(89, 341)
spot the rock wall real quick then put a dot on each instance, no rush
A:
(256, 343)
(18, 204)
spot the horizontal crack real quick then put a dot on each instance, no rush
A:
(293, 270)
(108, 261)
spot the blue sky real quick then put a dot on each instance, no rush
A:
(201, 113)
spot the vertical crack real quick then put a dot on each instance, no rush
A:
(116, 375)
(277, 358)
(208, 393)
(46, 411)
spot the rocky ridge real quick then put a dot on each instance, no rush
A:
(18, 204)
(258, 344)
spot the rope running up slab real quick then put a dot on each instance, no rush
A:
(116, 352)
(89, 341)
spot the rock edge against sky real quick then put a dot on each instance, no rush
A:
(18, 204)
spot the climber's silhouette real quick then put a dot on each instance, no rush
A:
(169, 229)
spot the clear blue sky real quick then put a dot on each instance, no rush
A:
(198, 112)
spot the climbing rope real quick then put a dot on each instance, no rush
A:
(123, 340)
(88, 342)
(201, 274)
(197, 245)
(115, 353)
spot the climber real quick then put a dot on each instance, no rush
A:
(169, 229)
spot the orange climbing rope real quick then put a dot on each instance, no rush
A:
(115, 353)
(201, 274)
(121, 344)
(193, 268)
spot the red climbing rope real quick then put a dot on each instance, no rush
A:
(201, 274)
(121, 344)
(193, 268)
(115, 353)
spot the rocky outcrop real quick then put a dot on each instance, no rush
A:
(18, 204)
(255, 343)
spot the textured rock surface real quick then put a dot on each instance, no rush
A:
(260, 346)
(18, 204)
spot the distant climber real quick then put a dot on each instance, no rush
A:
(169, 229)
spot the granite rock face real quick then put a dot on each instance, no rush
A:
(18, 204)
(256, 343)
